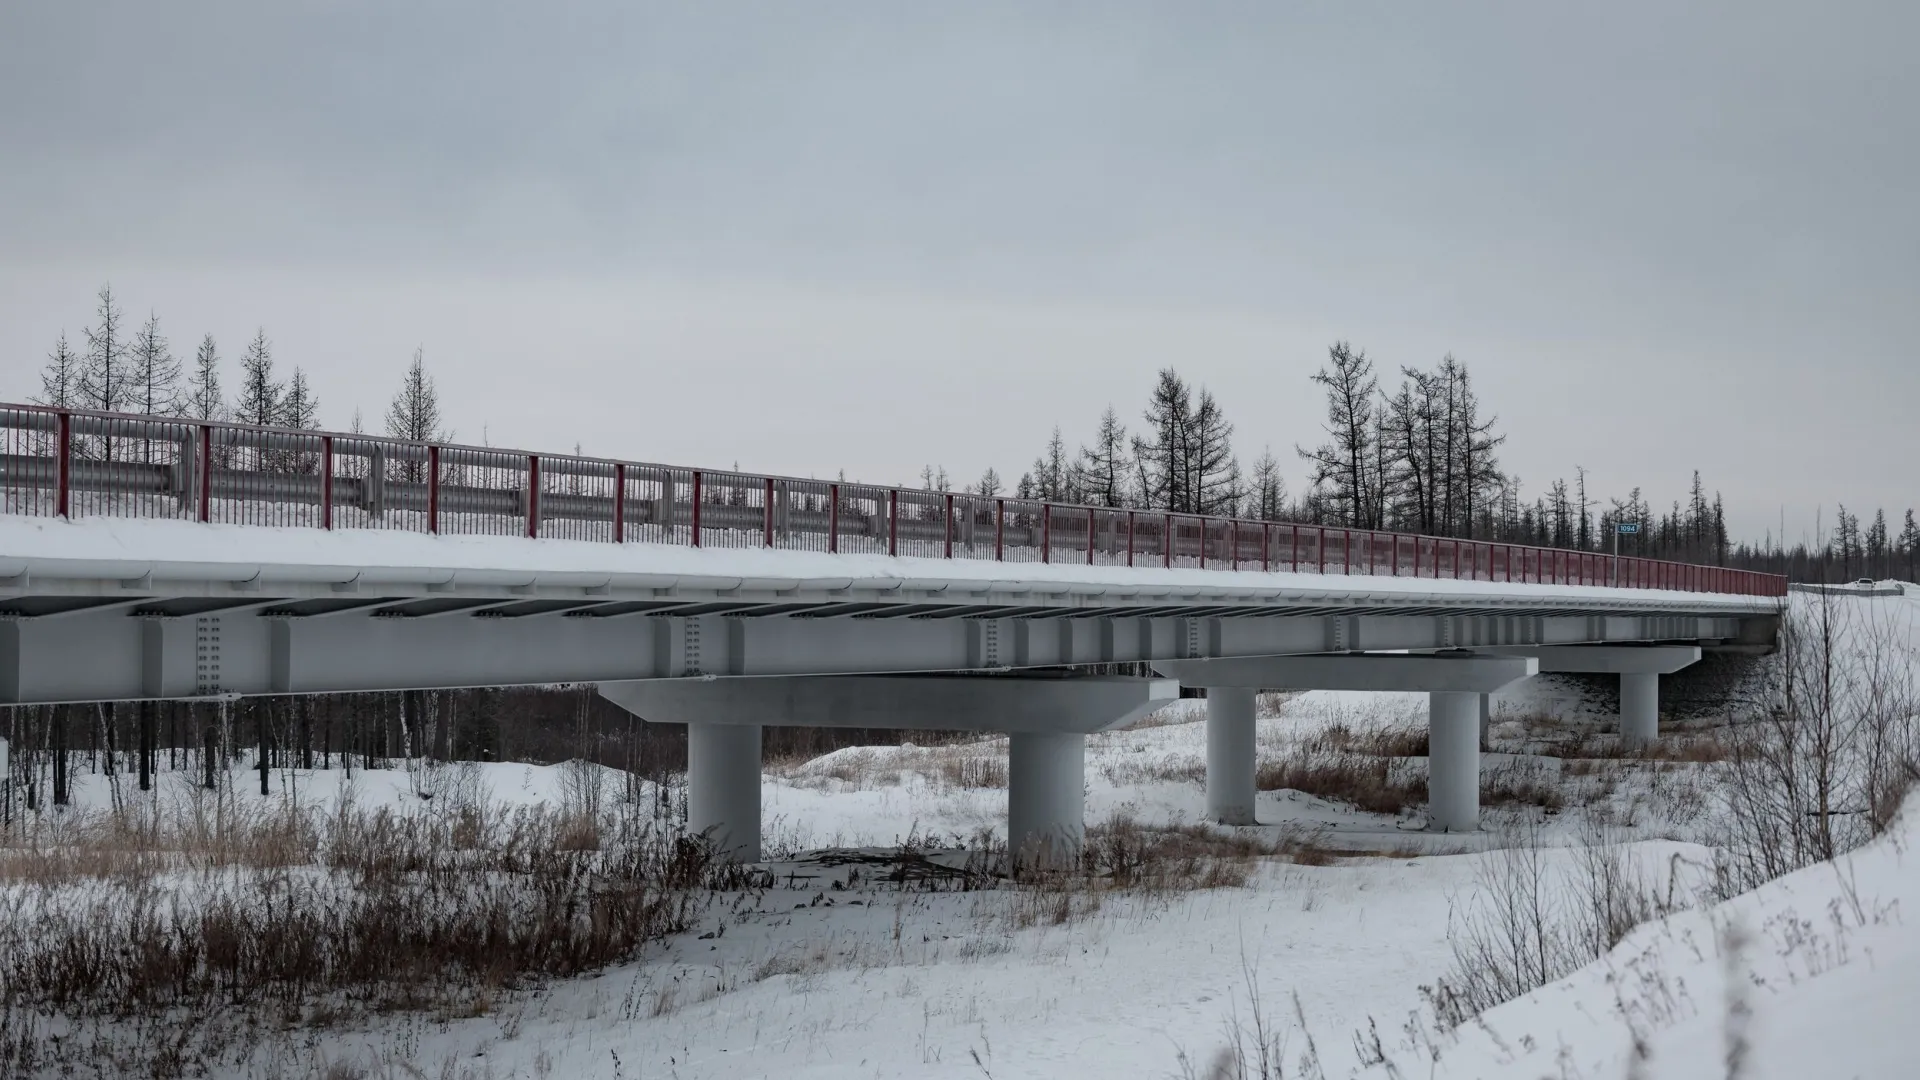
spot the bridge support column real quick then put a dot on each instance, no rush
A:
(1046, 797)
(1486, 721)
(1049, 718)
(1639, 709)
(723, 787)
(1453, 762)
(1230, 755)
(1639, 668)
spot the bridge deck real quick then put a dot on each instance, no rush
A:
(109, 557)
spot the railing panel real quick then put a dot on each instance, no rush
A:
(55, 462)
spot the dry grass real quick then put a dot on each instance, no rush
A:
(1123, 856)
(1367, 783)
(218, 921)
(974, 763)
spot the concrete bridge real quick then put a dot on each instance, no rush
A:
(155, 558)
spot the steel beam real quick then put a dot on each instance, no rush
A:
(1457, 674)
(1606, 660)
(938, 703)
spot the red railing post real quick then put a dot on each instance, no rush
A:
(206, 471)
(1320, 546)
(1203, 542)
(949, 526)
(1266, 547)
(999, 530)
(1093, 528)
(833, 519)
(1396, 554)
(767, 507)
(1046, 532)
(1233, 544)
(1129, 538)
(433, 489)
(699, 481)
(893, 521)
(1293, 562)
(63, 466)
(1166, 542)
(533, 495)
(326, 481)
(619, 503)
(1347, 551)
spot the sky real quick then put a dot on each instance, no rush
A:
(872, 237)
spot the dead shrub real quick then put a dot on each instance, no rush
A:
(1123, 856)
(300, 914)
(1367, 783)
(1394, 742)
(972, 771)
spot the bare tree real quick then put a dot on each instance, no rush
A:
(1344, 467)
(1162, 457)
(415, 415)
(1105, 469)
(204, 398)
(105, 382)
(1053, 473)
(154, 372)
(299, 409)
(259, 400)
(1268, 498)
(59, 387)
(1213, 483)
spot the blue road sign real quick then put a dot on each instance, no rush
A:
(1628, 528)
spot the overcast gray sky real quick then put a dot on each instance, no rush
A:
(874, 236)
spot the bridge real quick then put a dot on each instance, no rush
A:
(146, 558)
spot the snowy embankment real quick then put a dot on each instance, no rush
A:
(1814, 975)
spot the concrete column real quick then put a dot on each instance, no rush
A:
(723, 786)
(1486, 721)
(1046, 797)
(1639, 710)
(1453, 762)
(1230, 755)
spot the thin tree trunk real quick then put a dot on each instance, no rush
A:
(306, 733)
(60, 780)
(260, 729)
(209, 757)
(146, 745)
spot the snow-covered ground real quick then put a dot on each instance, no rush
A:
(834, 973)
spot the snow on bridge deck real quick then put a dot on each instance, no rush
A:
(40, 554)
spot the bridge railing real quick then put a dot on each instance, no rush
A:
(73, 463)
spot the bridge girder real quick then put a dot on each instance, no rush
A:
(123, 651)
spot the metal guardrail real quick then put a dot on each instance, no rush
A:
(73, 463)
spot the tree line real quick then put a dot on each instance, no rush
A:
(1419, 457)
(119, 369)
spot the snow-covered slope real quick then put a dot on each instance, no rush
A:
(1814, 975)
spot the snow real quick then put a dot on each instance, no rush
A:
(130, 548)
(1816, 973)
